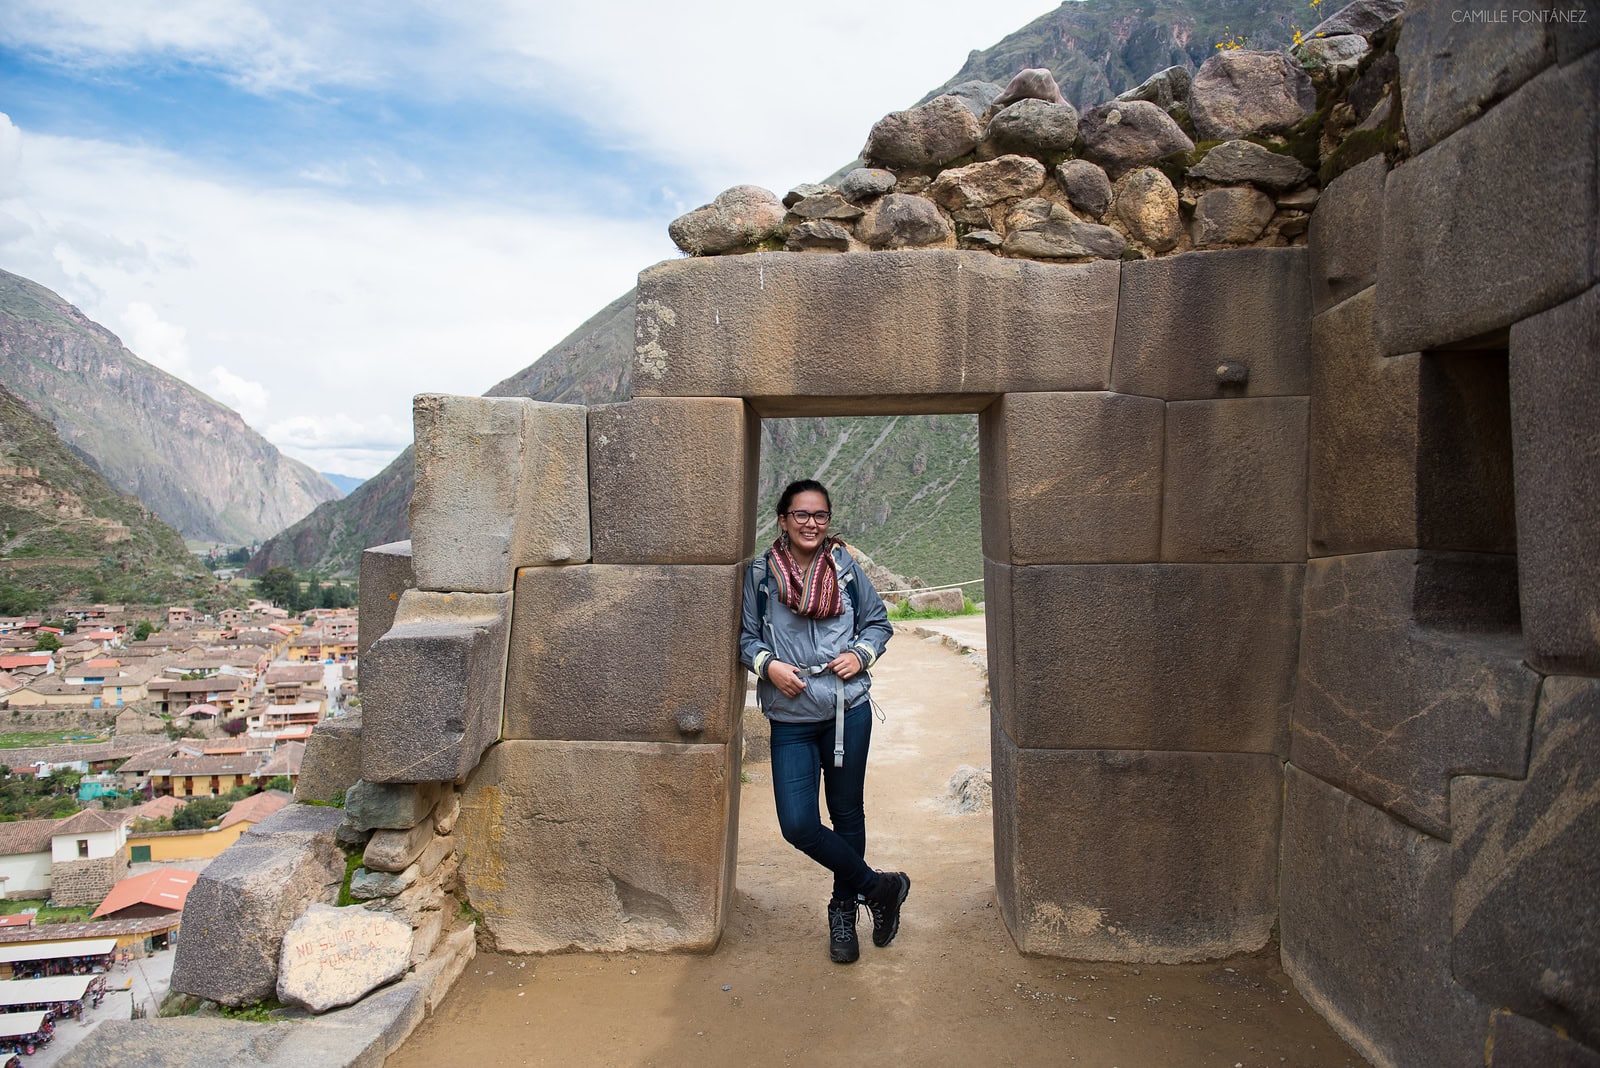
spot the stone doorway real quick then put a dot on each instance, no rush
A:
(1143, 442)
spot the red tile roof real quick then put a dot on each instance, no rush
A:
(91, 820)
(255, 808)
(167, 889)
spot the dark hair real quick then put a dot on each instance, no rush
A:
(804, 485)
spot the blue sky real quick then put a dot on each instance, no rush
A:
(314, 211)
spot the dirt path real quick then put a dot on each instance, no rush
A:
(952, 990)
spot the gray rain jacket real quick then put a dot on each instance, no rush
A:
(771, 631)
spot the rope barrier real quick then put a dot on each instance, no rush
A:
(931, 589)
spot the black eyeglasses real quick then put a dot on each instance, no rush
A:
(819, 518)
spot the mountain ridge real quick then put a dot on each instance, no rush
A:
(66, 533)
(193, 460)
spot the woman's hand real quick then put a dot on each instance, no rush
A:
(846, 664)
(785, 678)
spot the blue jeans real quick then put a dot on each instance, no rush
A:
(801, 754)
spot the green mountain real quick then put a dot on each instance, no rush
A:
(67, 535)
(905, 488)
(192, 460)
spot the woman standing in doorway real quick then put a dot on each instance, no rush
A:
(812, 627)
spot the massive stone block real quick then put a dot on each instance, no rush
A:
(1526, 858)
(238, 910)
(385, 574)
(1347, 234)
(1365, 930)
(1496, 222)
(1406, 451)
(601, 846)
(1411, 671)
(626, 653)
(1189, 327)
(502, 483)
(871, 332)
(1451, 68)
(1235, 487)
(332, 760)
(1189, 872)
(672, 481)
(1071, 477)
(1555, 413)
(1144, 656)
(435, 684)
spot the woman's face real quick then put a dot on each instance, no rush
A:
(805, 537)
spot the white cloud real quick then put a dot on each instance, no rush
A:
(293, 304)
(155, 340)
(729, 91)
(244, 396)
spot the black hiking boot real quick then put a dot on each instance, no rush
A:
(884, 901)
(843, 947)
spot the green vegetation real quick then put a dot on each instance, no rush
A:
(256, 1012)
(352, 861)
(197, 814)
(143, 629)
(28, 739)
(903, 611)
(69, 536)
(47, 913)
(23, 797)
(286, 589)
(904, 488)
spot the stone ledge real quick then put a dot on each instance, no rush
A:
(361, 1036)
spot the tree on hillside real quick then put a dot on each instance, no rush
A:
(280, 586)
(233, 727)
(199, 813)
(143, 629)
(337, 596)
(47, 643)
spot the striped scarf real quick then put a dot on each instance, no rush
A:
(813, 593)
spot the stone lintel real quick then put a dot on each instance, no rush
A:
(919, 323)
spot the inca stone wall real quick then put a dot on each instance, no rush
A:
(85, 882)
(1442, 822)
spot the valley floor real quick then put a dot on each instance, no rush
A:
(951, 990)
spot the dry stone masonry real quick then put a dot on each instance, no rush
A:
(1288, 385)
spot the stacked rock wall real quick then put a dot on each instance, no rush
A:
(1441, 820)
